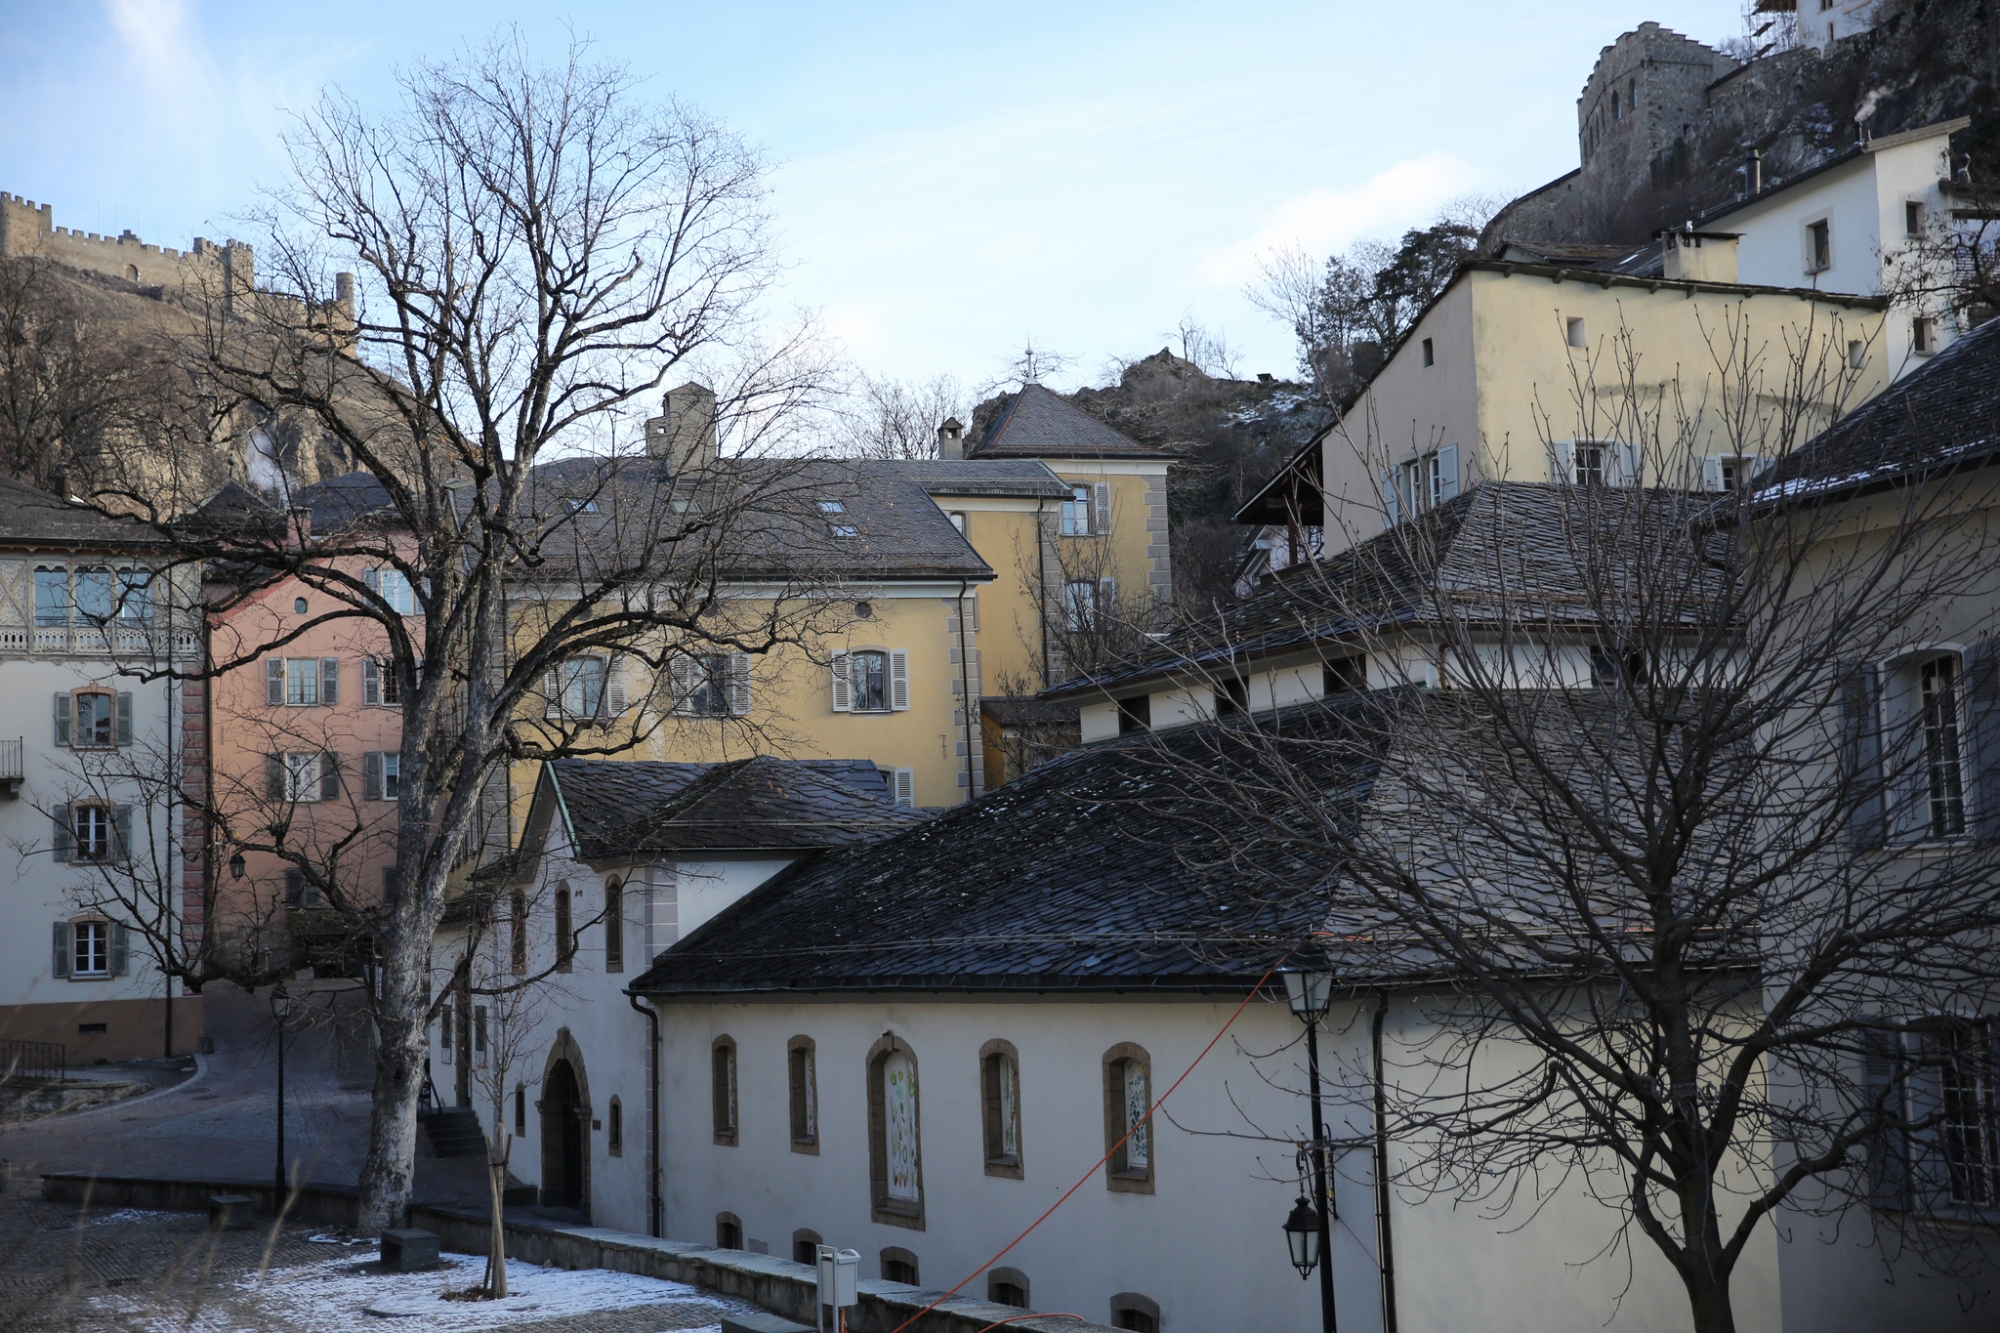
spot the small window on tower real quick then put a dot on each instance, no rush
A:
(1913, 218)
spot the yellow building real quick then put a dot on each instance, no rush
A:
(1523, 371)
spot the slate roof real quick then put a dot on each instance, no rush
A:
(1024, 478)
(1012, 710)
(620, 808)
(1041, 424)
(1942, 416)
(1504, 548)
(1079, 875)
(33, 517)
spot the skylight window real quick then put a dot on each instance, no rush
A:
(843, 529)
(832, 507)
(580, 506)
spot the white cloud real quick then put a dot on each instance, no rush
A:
(1324, 221)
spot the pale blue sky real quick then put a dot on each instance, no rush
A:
(948, 182)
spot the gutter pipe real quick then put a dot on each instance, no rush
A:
(1384, 1242)
(654, 1223)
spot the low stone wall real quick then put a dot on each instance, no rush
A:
(778, 1285)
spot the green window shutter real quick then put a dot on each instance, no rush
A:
(65, 705)
(329, 777)
(329, 680)
(63, 834)
(121, 833)
(274, 680)
(125, 718)
(371, 776)
(371, 681)
(274, 776)
(121, 950)
(59, 963)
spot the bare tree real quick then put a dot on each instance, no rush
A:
(1679, 838)
(892, 418)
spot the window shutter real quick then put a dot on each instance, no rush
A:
(1107, 598)
(329, 777)
(121, 950)
(899, 679)
(739, 684)
(274, 776)
(1711, 474)
(680, 681)
(1888, 1151)
(64, 706)
(1562, 462)
(1391, 504)
(614, 685)
(1631, 464)
(1982, 725)
(552, 694)
(59, 963)
(371, 579)
(62, 835)
(125, 718)
(295, 888)
(121, 833)
(371, 776)
(906, 786)
(274, 680)
(1448, 472)
(371, 681)
(843, 684)
(1100, 508)
(329, 680)
(1861, 753)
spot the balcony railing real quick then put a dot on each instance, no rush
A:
(12, 755)
(93, 641)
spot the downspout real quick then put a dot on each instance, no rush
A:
(965, 690)
(653, 1221)
(1042, 582)
(1384, 1244)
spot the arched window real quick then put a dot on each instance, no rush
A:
(899, 1265)
(565, 937)
(1000, 1108)
(520, 1110)
(805, 1246)
(614, 926)
(1007, 1286)
(1131, 1310)
(728, 1231)
(722, 1090)
(614, 1129)
(802, 1082)
(517, 929)
(895, 1159)
(1128, 1134)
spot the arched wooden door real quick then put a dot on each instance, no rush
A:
(562, 1138)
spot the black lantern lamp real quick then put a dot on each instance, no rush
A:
(1302, 1235)
(236, 866)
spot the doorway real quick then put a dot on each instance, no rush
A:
(563, 1162)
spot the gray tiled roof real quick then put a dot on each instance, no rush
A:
(33, 517)
(1081, 874)
(1041, 424)
(629, 807)
(1023, 477)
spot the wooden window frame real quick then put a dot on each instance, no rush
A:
(614, 1128)
(723, 1091)
(802, 1094)
(1119, 1177)
(991, 1110)
(614, 925)
(883, 1209)
(565, 913)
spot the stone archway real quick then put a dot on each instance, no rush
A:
(565, 1127)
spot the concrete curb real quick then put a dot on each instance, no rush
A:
(776, 1284)
(200, 1072)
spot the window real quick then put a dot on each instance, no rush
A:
(90, 831)
(1000, 1109)
(728, 1231)
(393, 587)
(576, 506)
(565, 937)
(895, 1166)
(1943, 755)
(842, 530)
(91, 719)
(722, 1091)
(1819, 246)
(518, 932)
(1587, 464)
(302, 777)
(1913, 218)
(580, 687)
(1923, 335)
(1131, 1310)
(899, 1265)
(382, 776)
(1857, 354)
(1430, 357)
(1076, 512)
(1128, 1133)
(902, 785)
(1345, 675)
(93, 595)
(614, 926)
(479, 1037)
(1971, 1116)
(446, 1046)
(871, 680)
(298, 606)
(52, 596)
(710, 684)
(805, 1246)
(1232, 697)
(957, 517)
(614, 1129)
(135, 596)
(90, 949)
(299, 891)
(1735, 472)
(380, 685)
(1575, 332)
(1135, 714)
(1007, 1286)
(301, 682)
(832, 507)
(802, 1083)
(520, 1110)
(1080, 609)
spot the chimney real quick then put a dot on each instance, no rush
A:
(685, 435)
(1688, 255)
(951, 440)
(1753, 173)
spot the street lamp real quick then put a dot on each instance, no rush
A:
(236, 866)
(1310, 993)
(279, 1007)
(1302, 1235)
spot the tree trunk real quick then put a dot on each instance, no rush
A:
(387, 1174)
(496, 1175)
(1708, 1299)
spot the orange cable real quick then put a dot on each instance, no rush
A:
(1049, 1314)
(1084, 1179)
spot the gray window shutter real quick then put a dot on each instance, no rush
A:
(1107, 597)
(59, 963)
(1711, 474)
(329, 777)
(1631, 464)
(1562, 462)
(843, 684)
(274, 776)
(614, 685)
(371, 681)
(371, 579)
(899, 680)
(1448, 472)
(739, 684)
(1100, 507)
(329, 680)
(274, 680)
(62, 834)
(552, 694)
(1391, 504)
(1861, 754)
(121, 833)
(121, 950)
(65, 705)
(371, 776)
(1982, 726)
(125, 718)
(906, 786)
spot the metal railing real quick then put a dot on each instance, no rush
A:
(44, 1060)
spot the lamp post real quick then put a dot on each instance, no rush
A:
(278, 1009)
(1309, 994)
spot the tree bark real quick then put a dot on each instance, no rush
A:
(387, 1174)
(496, 1176)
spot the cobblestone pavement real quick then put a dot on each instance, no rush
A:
(65, 1270)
